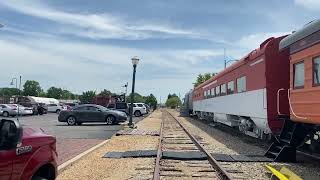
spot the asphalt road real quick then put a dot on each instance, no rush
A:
(49, 123)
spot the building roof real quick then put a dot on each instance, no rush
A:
(43, 100)
(307, 30)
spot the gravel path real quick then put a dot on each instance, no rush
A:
(223, 142)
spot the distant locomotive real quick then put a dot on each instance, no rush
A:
(275, 89)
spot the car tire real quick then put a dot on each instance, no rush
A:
(110, 120)
(137, 114)
(5, 114)
(71, 120)
(58, 111)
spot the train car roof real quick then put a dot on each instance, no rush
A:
(251, 56)
(307, 30)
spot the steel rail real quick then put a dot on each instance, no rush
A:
(156, 172)
(223, 173)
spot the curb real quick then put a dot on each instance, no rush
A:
(68, 163)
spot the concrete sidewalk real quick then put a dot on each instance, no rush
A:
(93, 166)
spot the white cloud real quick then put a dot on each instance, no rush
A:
(253, 41)
(97, 26)
(309, 4)
(80, 66)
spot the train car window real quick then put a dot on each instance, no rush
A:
(230, 88)
(316, 71)
(204, 93)
(209, 93)
(241, 84)
(223, 90)
(213, 92)
(299, 75)
(218, 91)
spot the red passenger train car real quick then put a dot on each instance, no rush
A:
(244, 95)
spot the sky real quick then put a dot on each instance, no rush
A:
(82, 45)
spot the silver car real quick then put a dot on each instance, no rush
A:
(8, 110)
(23, 110)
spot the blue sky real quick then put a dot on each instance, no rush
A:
(87, 45)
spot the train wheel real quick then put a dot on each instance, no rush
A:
(315, 143)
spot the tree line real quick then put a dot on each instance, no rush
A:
(33, 88)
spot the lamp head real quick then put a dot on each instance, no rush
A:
(135, 60)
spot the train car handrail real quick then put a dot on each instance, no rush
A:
(278, 101)
(291, 109)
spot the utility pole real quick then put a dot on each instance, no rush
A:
(224, 58)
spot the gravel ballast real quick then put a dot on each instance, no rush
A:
(219, 141)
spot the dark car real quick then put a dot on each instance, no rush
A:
(91, 113)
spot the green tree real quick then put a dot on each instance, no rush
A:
(207, 76)
(8, 92)
(173, 102)
(137, 98)
(54, 92)
(31, 88)
(74, 96)
(87, 96)
(106, 92)
(66, 94)
(42, 94)
(202, 78)
(172, 95)
(151, 100)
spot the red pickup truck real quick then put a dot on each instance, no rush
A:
(26, 153)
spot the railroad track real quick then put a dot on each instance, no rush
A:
(175, 138)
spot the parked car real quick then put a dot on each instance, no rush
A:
(147, 107)
(71, 104)
(8, 110)
(26, 153)
(22, 110)
(119, 106)
(138, 109)
(56, 108)
(91, 113)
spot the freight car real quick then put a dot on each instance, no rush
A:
(244, 95)
(302, 125)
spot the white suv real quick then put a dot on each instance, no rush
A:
(57, 108)
(138, 109)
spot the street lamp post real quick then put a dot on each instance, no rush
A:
(135, 62)
(12, 83)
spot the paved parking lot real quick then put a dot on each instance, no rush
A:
(72, 140)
